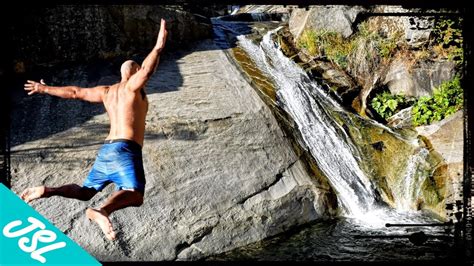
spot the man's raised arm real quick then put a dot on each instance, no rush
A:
(94, 95)
(139, 79)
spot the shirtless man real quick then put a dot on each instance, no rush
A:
(120, 159)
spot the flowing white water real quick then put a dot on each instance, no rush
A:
(409, 187)
(320, 133)
(325, 139)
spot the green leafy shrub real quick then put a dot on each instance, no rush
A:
(446, 100)
(386, 104)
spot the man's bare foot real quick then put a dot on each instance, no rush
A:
(100, 217)
(33, 193)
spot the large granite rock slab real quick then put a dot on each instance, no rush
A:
(220, 172)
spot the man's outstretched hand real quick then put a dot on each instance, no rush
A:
(161, 40)
(34, 87)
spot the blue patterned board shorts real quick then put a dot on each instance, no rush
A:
(120, 162)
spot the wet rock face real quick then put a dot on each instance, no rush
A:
(81, 33)
(220, 172)
(445, 139)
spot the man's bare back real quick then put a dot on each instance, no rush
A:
(119, 161)
(127, 112)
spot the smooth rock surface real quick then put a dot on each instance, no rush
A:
(220, 172)
(419, 80)
(332, 18)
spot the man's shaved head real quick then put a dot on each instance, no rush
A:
(129, 68)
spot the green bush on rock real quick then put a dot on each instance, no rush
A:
(446, 100)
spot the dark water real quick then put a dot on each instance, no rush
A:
(342, 241)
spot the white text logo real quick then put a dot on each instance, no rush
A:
(31, 245)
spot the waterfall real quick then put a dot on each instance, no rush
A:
(327, 131)
(306, 102)
(336, 155)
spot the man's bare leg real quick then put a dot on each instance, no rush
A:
(68, 191)
(119, 200)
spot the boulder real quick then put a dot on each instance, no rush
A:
(333, 18)
(446, 137)
(419, 80)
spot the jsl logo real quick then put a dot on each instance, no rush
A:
(14, 230)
